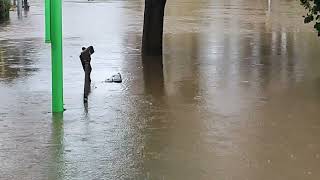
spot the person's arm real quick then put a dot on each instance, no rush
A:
(91, 49)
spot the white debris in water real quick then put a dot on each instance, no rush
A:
(292, 156)
(197, 98)
(269, 161)
(245, 81)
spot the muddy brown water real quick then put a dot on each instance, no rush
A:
(236, 95)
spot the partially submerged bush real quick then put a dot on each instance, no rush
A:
(4, 9)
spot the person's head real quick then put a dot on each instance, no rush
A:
(83, 48)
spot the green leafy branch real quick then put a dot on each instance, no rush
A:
(313, 14)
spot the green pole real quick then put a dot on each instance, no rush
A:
(56, 50)
(47, 21)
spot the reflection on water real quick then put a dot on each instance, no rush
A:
(18, 58)
(235, 95)
(56, 161)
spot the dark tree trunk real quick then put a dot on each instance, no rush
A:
(25, 5)
(153, 75)
(153, 27)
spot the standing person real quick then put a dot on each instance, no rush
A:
(85, 58)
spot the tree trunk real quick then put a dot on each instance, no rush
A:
(153, 27)
(153, 76)
(25, 5)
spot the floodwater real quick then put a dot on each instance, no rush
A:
(237, 96)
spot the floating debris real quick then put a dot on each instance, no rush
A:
(115, 78)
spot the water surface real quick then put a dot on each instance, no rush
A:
(235, 95)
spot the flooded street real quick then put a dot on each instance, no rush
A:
(237, 96)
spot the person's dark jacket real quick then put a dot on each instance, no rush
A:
(85, 56)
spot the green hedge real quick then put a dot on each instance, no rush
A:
(4, 9)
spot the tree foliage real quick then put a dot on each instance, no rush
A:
(313, 14)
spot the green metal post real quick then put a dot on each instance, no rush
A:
(47, 21)
(56, 50)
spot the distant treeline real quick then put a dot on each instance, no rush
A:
(4, 9)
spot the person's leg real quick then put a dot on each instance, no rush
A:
(86, 82)
(90, 72)
(83, 66)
